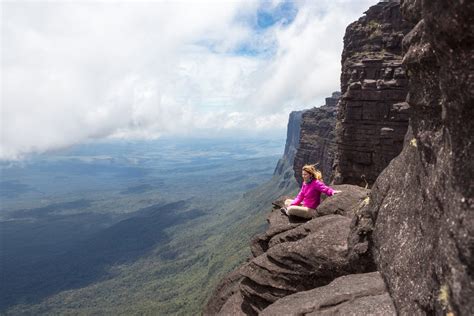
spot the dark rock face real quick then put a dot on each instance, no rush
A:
(306, 257)
(284, 170)
(233, 306)
(292, 141)
(355, 294)
(293, 135)
(278, 223)
(373, 117)
(228, 287)
(317, 139)
(333, 99)
(347, 202)
(292, 256)
(419, 224)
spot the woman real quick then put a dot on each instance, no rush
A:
(305, 204)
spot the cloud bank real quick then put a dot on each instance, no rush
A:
(77, 71)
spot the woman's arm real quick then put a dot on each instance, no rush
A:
(299, 198)
(321, 187)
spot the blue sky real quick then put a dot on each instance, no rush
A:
(262, 19)
(268, 15)
(79, 71)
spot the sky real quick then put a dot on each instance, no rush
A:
(80, 71)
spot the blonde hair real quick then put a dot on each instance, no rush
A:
(311, 169)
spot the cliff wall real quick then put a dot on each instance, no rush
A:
(283, 170)
(316, 144)
(293, 256)
(419, 224)
(406, 246)
(292, 141)
(373, 117)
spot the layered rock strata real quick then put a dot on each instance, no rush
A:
(372, 114)
(419, 223)
(306, 257)
(292, 256)
(317, 139)
(292, 136)
(355, 294)
(226, 298)
(284, 167)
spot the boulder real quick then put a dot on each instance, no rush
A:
(345, 203)
(233, 306)
(354, 294)
(278, 223)
(293, 266)
(227, 288)
(301, 231)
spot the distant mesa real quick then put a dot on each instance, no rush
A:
(317, 141)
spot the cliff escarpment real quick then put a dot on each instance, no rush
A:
(285, 163)
(294, 256)
(316, 144)
(419, 223)
(405, 123)
(373, 115)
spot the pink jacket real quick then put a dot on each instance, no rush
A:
(310, 193)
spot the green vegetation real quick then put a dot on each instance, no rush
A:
(374, 24)
(176, 277)
(128, 250)
(374, 28)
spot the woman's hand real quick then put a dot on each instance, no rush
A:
(336, 192)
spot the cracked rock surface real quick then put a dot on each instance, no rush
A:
(355, 294)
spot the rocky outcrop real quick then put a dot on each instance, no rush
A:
(419, 222)
(346, 204)
(226, 293)
(317, 139)
(303, 258)
(355, 294)
(293, 255)
(372, 117)
(416, 226)
(277, 224)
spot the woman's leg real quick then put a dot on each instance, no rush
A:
(301, 211)
(288, 202)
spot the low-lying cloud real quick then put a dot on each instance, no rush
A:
(76, 71)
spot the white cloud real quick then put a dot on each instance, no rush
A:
(307, 66)
(74, 71)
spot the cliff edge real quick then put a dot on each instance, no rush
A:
(419, 223)
(317, 141)
(405, 246)
(372, 113)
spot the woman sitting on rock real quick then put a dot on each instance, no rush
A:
(305, 204)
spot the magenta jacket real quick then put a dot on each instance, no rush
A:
(310, 193)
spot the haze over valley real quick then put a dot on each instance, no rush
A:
(81, 220)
